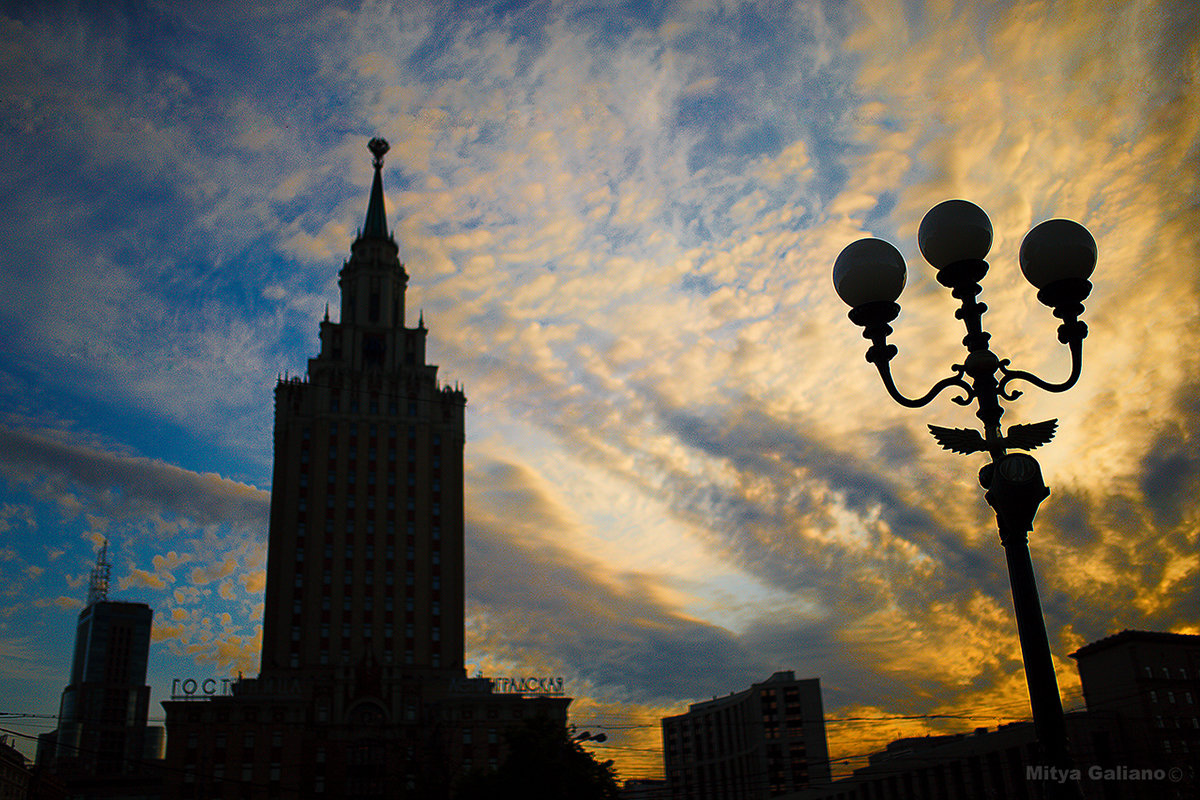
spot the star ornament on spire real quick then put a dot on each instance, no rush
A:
(378, 147)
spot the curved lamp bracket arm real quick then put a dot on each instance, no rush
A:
(1010, 375)
(874, 318)
(954, 381)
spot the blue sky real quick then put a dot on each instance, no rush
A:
(619, 221)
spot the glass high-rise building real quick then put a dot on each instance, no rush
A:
(102, 717)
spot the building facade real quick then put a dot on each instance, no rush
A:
(762, 742)
(1138, 739)
(102, 733)
(1145, 687)
(362, 690)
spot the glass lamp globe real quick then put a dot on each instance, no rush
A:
(869, 271)
(954, 230)
(1057, 249)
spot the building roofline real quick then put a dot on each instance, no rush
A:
(1130, 635)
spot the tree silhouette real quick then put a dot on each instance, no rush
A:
(543, 763)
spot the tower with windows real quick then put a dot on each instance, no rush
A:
(362, 691)
(365, 556)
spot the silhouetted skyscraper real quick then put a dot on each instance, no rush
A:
(362, 691)
(102, 717)
(366, 544)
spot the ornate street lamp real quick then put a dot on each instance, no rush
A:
(1057, 257)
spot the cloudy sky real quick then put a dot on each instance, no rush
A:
(619, 221)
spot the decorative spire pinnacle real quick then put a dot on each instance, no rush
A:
(376, 225)
(98, 585)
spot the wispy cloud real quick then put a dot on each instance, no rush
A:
(620, 228)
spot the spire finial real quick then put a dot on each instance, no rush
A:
(378, 147)
(376, 225)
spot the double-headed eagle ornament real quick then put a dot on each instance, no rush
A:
(1019, 437)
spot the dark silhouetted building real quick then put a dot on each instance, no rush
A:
(762, 742)
(964, 766)
(1139, 738)
(362, 690)
(14, 773)
(102, 744)
(1145, 687)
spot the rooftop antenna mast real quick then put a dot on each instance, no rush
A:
(98, 585)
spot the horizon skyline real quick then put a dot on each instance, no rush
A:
(619, 225)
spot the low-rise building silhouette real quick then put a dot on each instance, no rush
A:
(1145, 686)
(761, 742)
(1138, 739)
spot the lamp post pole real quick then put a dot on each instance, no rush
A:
(1057, 257)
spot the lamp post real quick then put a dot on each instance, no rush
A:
(1057, 257)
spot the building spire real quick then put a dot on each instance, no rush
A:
(98, 585)
(376, 225)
